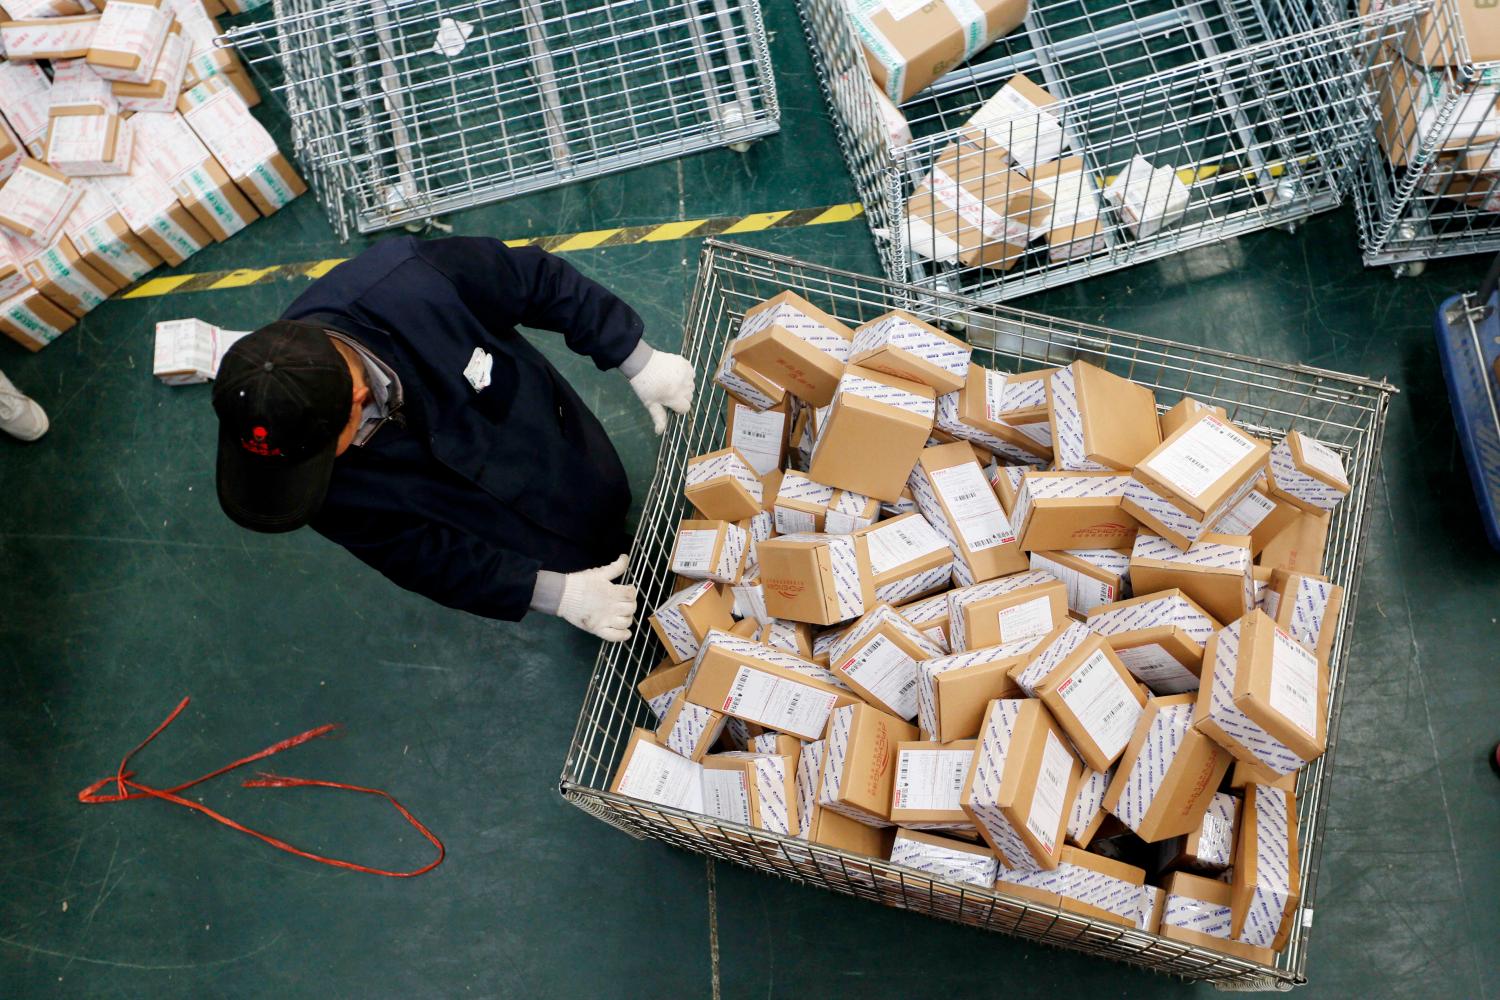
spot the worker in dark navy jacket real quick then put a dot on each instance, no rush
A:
(395, 408)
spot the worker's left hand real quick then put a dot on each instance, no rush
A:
(666, 383)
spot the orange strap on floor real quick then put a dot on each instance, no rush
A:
(126, 789)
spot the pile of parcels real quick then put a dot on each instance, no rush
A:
(126, 141)
(1009, 630)
(1418, 84)
(1004, 186)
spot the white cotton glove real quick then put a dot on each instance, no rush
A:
(593, 602)
(666, 383)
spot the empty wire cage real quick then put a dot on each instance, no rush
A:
(1193, 121)
(405, 109)
(1270, 398)
(1429, 183)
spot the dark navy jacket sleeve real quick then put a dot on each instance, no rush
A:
(439, 562)
(527, 286)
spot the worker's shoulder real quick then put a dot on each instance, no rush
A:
(377, 272)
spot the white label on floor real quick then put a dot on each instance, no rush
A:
(1294, 683)
(1051, 790)
(973, 506)
(1202, 456)
(779, 703)
(1025, 620)
(1104, 706)
(930, 779)
(885, 670)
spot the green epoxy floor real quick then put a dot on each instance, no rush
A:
(126, 588)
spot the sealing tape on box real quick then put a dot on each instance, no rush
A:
(1047, 659)
(809, 768)
(1023, 394)
(1159, 509)
(1215, 555)
(932, 511)
(846, 513)
(1168, 729)
(770, 788)
(1268, 750)
(663, 701)
(1196, 915)
(1216, 832)
(1175, 610)
(1146, 907)
(1088, 801)
(996, 226)
(18, 312)
(899, 591)
(913, 338)
(861, 15)
(1310, 605)
(694, 724)
(948, 418)
(795, 486)
(844, 564)
(738, 387)
(944, 862)
(989, 766)
(1271, 807)
(890, 395)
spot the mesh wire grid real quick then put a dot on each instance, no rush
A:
(1428, 185)
(405, 109)
(1270, 398)
(1258, 110)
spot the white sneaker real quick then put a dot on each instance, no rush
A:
(20, 415)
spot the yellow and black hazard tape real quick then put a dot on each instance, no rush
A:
(718, 225)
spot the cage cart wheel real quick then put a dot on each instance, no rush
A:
(1409, 268)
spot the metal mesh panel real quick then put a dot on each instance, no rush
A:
(404, 109)
(1257, 110)
(1429, 184)
(1347, 413)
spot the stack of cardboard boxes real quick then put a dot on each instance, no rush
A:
(126, 141)
(1089, 680)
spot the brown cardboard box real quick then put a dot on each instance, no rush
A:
(11, 150)
(1159, 637)
(1194, 477)
(13, 280)
(1267, 885)
(747, 629)
(765, 686)
(954, 691)
(794, 344)
(1186, 410)
(859, 767)
(831, 829)
(907, 46)
(929, 780)
(773, 784)
(1093, 577)
(1243, 773)
(1095, 700)
(25, 97)
(1433, 44)
(1197, 912)
(815, 578)
(982, 406)
(1264, 697)
(684, 620)
(1300, 546)
(723, 486)
(32, 321)
(1087, 884)
(956, 499)
(877, 658)
(688, 729)
(1210, 846)
(1307, 473)
(972, 209)
(129, 39)
(661, 686)
(759, 435)
(907, 559)
(1215, 572)
(1054, 647)
(158, 94)
(902, 345)
(930, 616)
(1022, 784)
(1190, 764)
(151, 209)
(1005, 480)
(793, 637)
(801, 505)
(1022, 606)
(1072, 510)
(105, 240)
(177, 154)
(1307, 607)
(710, 550)
(1258, 514)
(1100, 421)
(36, 200)
(48, 37)
(945, 858)
(746, 386)
(876, 428)
(87, 140)
(1153, 902)
(1410, 97)
(651, 772)
(57, 270)
(247, 152)
(1073, 229)
(1022, 118)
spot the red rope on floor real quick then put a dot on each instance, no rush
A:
(127, 789)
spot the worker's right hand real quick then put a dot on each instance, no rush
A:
(592, 601)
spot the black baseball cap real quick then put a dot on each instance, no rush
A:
(283, 395)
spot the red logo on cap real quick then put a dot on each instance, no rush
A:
(257, 444)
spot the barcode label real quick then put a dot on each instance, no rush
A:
(695, 549)
(1026, 620)
(758, 435)
(1103, 705)
(778, 703)
(658, 775)
(900, 542)
(1045, 818)
(972, 506)
(930, 780)
(1245, 516)
(1203, 455)
(1294, 683)
(1158, 669)
(885, 670)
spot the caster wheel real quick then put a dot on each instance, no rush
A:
(742, 147)
(1410, 269)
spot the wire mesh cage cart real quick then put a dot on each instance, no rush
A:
(1219, 117)
(405, 109)
(1270, 398)
(1429, 184)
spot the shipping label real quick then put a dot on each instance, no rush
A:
(1099, 698)
(930, 780)
(779, 703)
